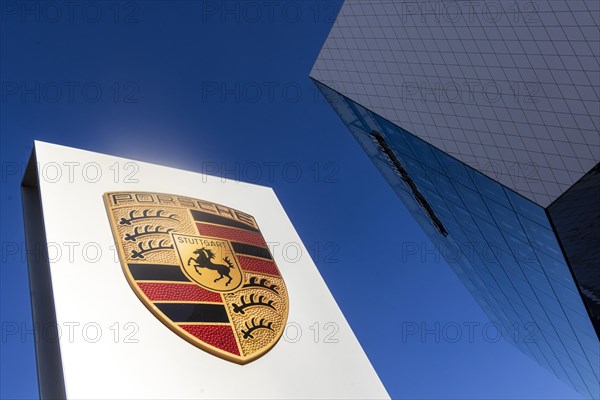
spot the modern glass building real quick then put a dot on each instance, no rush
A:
(484, 117)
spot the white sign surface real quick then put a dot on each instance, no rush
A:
(112, 346)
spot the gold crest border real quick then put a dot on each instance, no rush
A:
(240, 360)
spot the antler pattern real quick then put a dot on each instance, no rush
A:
(140, 254)
(252, 303)
(146, 215)
(147, 231)
(261, 325)
(263, 283)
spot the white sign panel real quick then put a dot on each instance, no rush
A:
(163, 283)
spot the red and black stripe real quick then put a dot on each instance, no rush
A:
(157, 272)
(201, 216)
(192, 312)
(248, 243)
(186, 304)
(176, 296)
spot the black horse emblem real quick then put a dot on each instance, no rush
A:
(204, 260)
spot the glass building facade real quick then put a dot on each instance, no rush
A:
(501, 245)
(484, 118)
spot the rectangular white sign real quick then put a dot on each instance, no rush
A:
(163, 283)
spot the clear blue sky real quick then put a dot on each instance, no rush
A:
(200, 87)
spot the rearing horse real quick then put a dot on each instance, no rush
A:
(204, 260)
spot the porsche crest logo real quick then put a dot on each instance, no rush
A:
(203, 269)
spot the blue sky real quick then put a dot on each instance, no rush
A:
(224, 88)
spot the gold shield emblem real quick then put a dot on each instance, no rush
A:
(203, 269)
